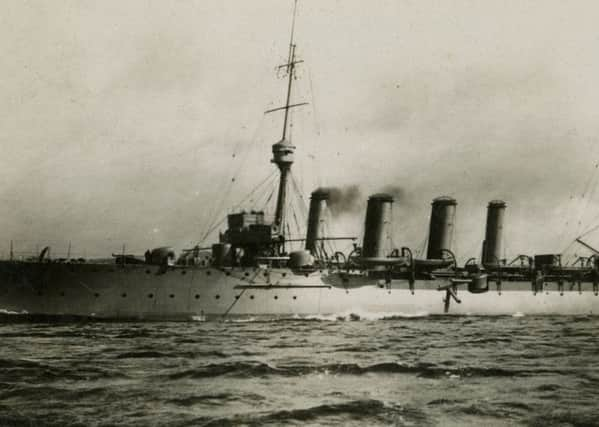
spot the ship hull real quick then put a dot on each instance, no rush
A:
(144, 292)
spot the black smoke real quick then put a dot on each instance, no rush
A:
(351, 199)
(398, 193)
(344, 200)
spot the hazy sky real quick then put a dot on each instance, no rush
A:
(120, 119)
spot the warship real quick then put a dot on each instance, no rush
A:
(258, 268)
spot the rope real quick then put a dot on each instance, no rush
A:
(264, 200)
(299, 230)
(214, 225)
(217, 208)
(234, 302)
(254, 190)
(299, 195)
(317, 131)
(589, 184)
(269, 198)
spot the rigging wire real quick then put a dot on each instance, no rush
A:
(590, 230)
(217, 222)
(453, 242)
(588, 199)
(267, 205)
(268, 199)
(421, 252)
(590, 183)
(316, 122)
(422, 247)
(299, 195)
(301, 210)
(255, 190)
(222, 220)
(313, 103)
(258, 201)
(218, 207)
(327, 232)
(294, 213)
(262, 199)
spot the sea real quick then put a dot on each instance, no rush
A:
(346, 370)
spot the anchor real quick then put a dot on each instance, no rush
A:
(450, 293)
(477, 283)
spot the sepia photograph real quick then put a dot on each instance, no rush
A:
(299, 213)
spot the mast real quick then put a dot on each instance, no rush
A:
(283, 150)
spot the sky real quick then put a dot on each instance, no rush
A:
(141, 122)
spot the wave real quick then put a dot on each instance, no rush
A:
(578, 418)
(358, 315)
(440, 402)
(216, 399)
(13, 313)
(345, 316)
(211, 399)
(22, 369)
(422, 370)
(549, 387)
(242, 369)
(365, 410)
(150, 354)
(8, 419)
(43, 391)
(145, 355)
(503, 410)
(244, 320)
(482, 409)
(354, 315)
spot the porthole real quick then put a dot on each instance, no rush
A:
(171, 296)
(150, 295)
(124, 295)
(246, 274)
(276, 297)
(183, 272)
(294, 297)
(236, 296)
(217, 296)
(96, 295)
(227, 273)
(306, 274)
(284, 274)
(251, 297)
(207, 272)
(197, 296)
